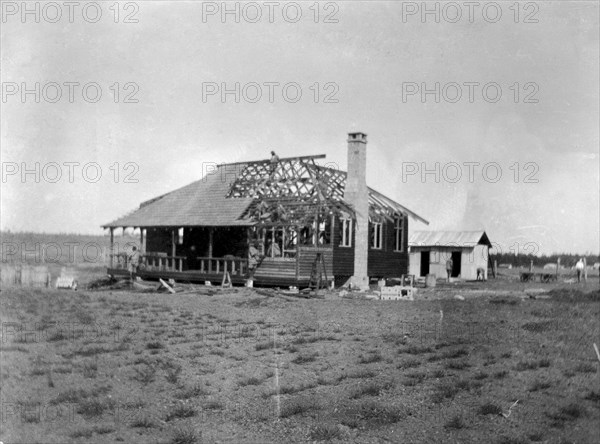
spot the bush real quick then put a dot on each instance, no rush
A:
(184, 436)
(455, 423)
(181, 411)
(489, 409)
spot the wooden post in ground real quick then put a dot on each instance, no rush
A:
(557, 267)
(112, 246)
(173, 250)
(277, 399)
(531, 265)
(494, 268)
(142, 242)
(585, 269)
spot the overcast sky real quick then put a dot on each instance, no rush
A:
(528, 160)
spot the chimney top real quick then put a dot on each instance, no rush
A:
(357, 137)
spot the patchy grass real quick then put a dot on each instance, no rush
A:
(370, 359)
(540, 385)
(532, 365)
(370, 389)
(145, 374)
(360, 385)
(444, 390)
(569, 412)
(415, 350)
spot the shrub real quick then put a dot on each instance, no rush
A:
(90, 369)
(192, 392)
(325, 432)
(91, 408)
(489, 409)
(500, 374)
(144, 423)
(181, 411)
(452, 354)
(409, 363)
(457, 365)
(539, 385)
(443, 391)
(298, 406)
(173, 373)
(415, 350)
(184, 436)
(213, 405)
(569, 412)
(155, 345)
(303, 359)
(264, 345)
(373, 357)
(145, 374)
(250, 381)
(585, 367)
(455, 423)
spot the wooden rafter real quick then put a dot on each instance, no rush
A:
(298, 191)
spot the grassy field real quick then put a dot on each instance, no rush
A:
(238, 366)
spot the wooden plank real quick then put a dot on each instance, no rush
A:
(167, 286)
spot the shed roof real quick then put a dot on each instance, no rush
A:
(448, 239)
(224, 196)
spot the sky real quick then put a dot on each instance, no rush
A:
(508, 140)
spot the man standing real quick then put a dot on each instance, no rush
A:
(579, 267)
(133, 261)
(254, 258)
(449, 265)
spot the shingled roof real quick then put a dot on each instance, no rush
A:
(228, 195)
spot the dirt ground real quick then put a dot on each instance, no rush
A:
(505, 362)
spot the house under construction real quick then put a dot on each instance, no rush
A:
(305, 220)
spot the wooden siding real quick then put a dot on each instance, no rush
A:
(281, 268)
(307, 256)
(343, 257)
(386, 262)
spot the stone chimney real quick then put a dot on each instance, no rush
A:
(357, 195)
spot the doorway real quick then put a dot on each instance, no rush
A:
(425, 263)
(456, 255)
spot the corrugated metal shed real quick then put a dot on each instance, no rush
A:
(205, 202)
(448, 239)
